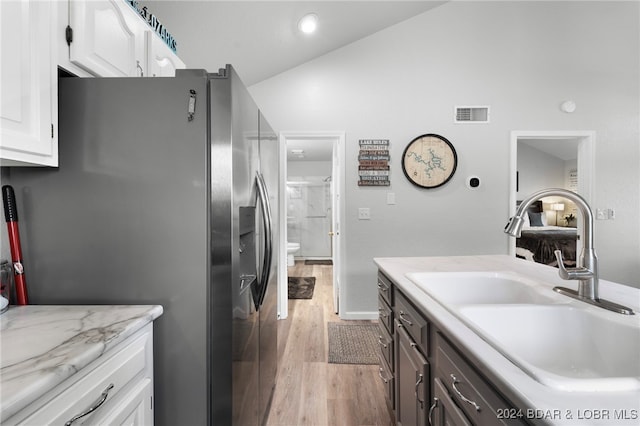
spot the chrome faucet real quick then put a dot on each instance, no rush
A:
(586, 271)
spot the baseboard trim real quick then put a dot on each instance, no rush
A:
(361, 315)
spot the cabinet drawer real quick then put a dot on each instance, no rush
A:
(118, 369)
(412, 321)
(385, 315)
(385, 289)
(386, 375)
(444, 411)
(477, 399)
(385, 342)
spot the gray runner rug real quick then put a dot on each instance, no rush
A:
(353, 343)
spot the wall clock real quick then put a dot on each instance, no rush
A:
(429, 161)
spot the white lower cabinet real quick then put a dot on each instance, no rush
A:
(115, 389)
(134, 409)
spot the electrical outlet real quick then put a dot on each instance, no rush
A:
(364, 213)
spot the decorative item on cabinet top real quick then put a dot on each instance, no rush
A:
(155, 24)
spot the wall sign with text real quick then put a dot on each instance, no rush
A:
(373, 162)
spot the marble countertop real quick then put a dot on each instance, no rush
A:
(41, 346)
(553, 406)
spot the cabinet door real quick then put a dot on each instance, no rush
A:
(444, 411)
(28, 95)
(108, 38)
(412, 381)
(162, 61)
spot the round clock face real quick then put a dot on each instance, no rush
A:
(429, 161)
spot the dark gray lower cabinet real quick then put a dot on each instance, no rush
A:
(429, 379)
(412, 381)
(443, 411)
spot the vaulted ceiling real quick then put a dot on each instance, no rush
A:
(261, 39)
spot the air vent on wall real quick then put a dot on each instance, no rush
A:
(471, 114)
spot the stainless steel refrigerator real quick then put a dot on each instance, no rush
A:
(166, 194)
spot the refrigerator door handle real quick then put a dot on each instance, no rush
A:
(263, 197)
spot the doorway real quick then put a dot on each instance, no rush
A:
(563, 145)
(311, 188)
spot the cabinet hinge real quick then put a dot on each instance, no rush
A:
(68, 34)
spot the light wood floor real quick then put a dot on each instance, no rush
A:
(309, 390)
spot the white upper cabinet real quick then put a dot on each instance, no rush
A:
(107, 38)
(163, 62)
(28, 96)
(88, 38)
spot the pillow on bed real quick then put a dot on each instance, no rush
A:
(538, 219)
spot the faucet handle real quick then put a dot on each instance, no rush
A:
(564, 274)
(578, 273)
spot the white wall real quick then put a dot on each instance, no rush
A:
(521, 58)
(538, 170)
(309, 168)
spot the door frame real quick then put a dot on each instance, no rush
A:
(338, 139)
(586, 166)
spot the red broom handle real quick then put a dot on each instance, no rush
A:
(11, 216)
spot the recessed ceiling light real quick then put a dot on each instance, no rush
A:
(308, 23)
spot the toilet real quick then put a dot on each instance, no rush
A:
(291, 248)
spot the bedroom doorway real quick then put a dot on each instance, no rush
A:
(575, 148)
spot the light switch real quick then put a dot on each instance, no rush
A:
(391, 197)
(364, 213)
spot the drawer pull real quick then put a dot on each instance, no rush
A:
(380, 374)
(94, 407)
(382, 313)
(382, 286)
(462, 397)
(381, 343)
(433, 407)
(404, 319)
(420, 377)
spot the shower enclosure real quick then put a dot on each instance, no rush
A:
(309, 215)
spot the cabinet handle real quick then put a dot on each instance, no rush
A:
(462, 397)
(382, 286)
(94, 407)
(433, 407)
(381, 343)
(379, 374)
(404, 319)
(382, 313)
(420, 377)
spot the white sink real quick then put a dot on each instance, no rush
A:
(479, 288)
(562, 346)
(560, 342)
